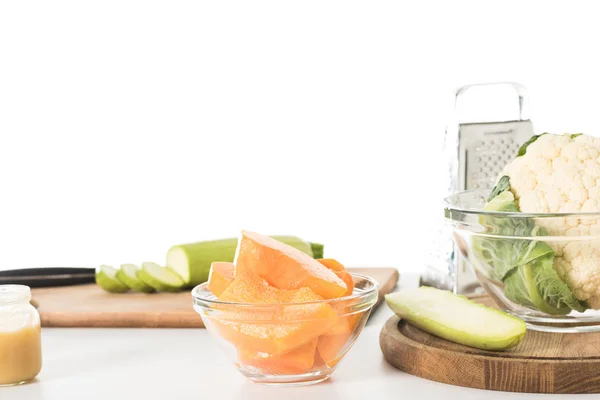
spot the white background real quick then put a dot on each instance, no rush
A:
(129, 126)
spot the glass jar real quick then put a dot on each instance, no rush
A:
(20, 338)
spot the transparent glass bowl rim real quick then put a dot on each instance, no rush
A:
(450, 206)
(363, 296)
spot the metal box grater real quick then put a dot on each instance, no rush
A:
(476, 152)
(484, 149)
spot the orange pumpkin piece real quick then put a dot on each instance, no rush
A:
(285, 267)
(297, 361)
(278, 329)
(332, 264)
(344, 325)
(341, 272)
(333, 345)
(248, 288)
(220, 277)
(329, 348)
(318, 362)
(347, 278)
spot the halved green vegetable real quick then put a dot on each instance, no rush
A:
(106, 278)
(160, 278)
(128, 275)
(456, 318)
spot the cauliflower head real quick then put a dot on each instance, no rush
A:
(561, 174)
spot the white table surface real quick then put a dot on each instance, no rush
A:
(148, 364)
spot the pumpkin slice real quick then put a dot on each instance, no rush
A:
(341, 272)
(220, 277)
(285, 267)
(337, 341)
(297, 361)
(272, 326)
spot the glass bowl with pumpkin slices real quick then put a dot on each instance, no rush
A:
(283, 317)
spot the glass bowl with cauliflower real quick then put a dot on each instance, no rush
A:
(533, 241)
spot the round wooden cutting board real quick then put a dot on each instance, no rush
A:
(541, 363)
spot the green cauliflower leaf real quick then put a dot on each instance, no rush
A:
(523, 149)
(525, 266)
(537, 285)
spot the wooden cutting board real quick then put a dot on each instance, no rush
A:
(90, 306)
(541, 363)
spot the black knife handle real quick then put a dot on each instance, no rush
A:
(47, 277)
(47, 271)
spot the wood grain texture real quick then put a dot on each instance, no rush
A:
(541, 363)
(90, 306)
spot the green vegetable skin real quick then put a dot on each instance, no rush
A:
(127, 274)
(524, 266)
(160, 278)
(192, 261)
(106, 278)
(457, 318)
(317, 250)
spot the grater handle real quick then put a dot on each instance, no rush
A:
(518, 88)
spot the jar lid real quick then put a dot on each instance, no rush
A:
(10, 294)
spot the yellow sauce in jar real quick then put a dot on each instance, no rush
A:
(20, 355)
(20, 336)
